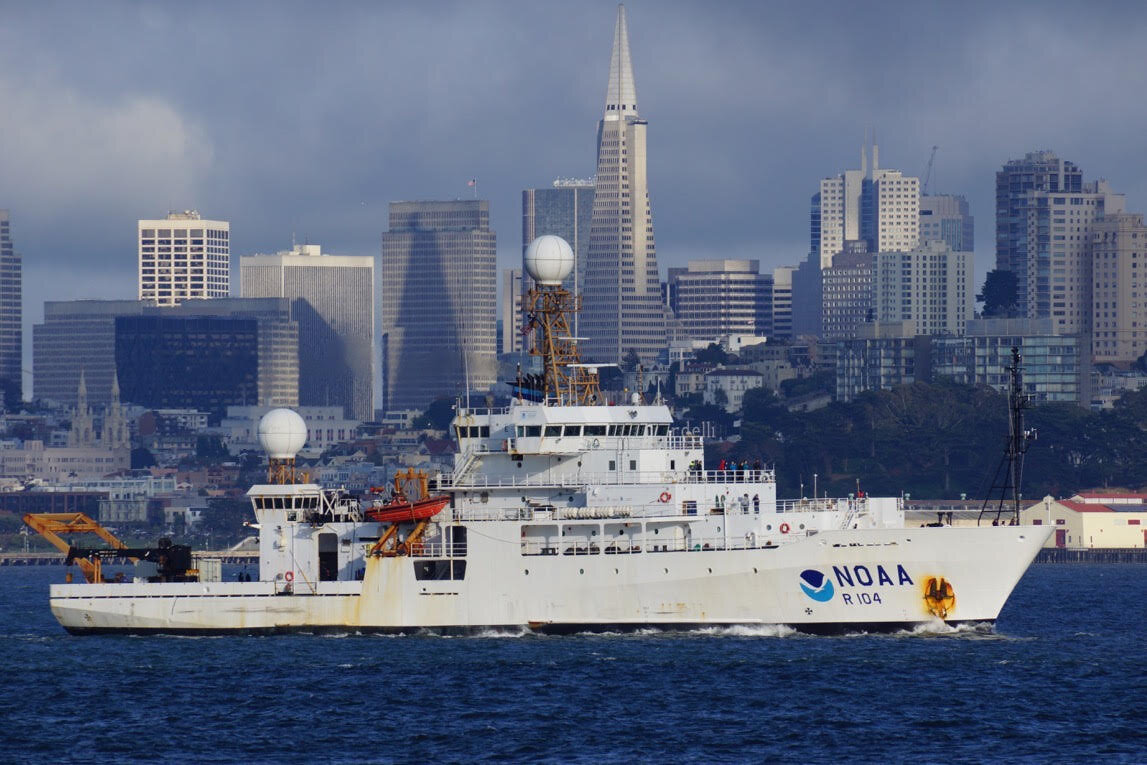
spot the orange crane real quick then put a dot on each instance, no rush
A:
(52, 525)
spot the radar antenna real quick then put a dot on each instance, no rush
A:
(549, 305)
(564, 377)
(1009, 473)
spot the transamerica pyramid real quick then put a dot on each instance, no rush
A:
(622, 307)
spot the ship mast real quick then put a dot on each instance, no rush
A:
(1010, 471)
(549, 306)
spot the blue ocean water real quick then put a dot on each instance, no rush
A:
(1059, 679)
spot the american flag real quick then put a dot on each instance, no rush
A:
(472, 182)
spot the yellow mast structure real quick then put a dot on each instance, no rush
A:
(566, 380)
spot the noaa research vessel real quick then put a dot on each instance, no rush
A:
(563, 512)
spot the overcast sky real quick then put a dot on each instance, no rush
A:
(308, 118)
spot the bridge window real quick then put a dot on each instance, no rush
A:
(553, 431)
(573, 430)
(595, 430)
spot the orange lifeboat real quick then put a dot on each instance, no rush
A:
(399, 510)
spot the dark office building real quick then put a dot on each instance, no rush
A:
(198, 362)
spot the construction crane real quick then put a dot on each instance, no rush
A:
(928, 171)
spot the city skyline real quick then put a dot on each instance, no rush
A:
(185, 132)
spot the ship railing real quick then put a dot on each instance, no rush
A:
(580, 479)
(438, 550)
(637, 545)
(850, 506)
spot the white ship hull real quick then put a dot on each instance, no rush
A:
(873, 579)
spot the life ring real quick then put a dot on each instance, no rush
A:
(289, 576)
(665, 497)
(784, 528)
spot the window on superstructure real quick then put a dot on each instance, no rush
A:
(573, 430)
(595, 430)
(553, 431)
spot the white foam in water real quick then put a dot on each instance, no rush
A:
(938, 627)
(749, 630)
(503, 633)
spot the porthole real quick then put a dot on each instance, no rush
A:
(616, 571)
(581, 570)
(666, 571)
(527, 572)
(710, 571)
(802, 525)
(769, 527)
(754, 569)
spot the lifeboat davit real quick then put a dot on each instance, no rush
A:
(397, 511)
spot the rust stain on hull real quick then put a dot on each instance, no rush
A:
(939, 597)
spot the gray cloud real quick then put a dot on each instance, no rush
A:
(288, 117)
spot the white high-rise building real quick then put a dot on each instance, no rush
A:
(332, 299)
(184, 257)
(931, 286)
(1119, 288)
(1058, 269)
(878, 207)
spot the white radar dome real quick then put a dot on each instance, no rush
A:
(282, 433)
(549, 259)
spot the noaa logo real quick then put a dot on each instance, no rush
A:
(816, 585)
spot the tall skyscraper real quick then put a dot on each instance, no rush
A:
(878, 207)
(931, 285)
(621, 308)
(11, 317)
(564, 210)
(1037, 171)
(1119, 288)
(439, 289)
(332, 300)
(716, 298)
(184, 257)
(947, 218)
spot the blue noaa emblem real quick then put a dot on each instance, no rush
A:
(816, 585)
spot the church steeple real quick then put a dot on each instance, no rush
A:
(83, 431)
(116, 434)
(621, 95)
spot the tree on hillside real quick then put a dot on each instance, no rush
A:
(999, 294)
(437, 416)
(714, 354)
